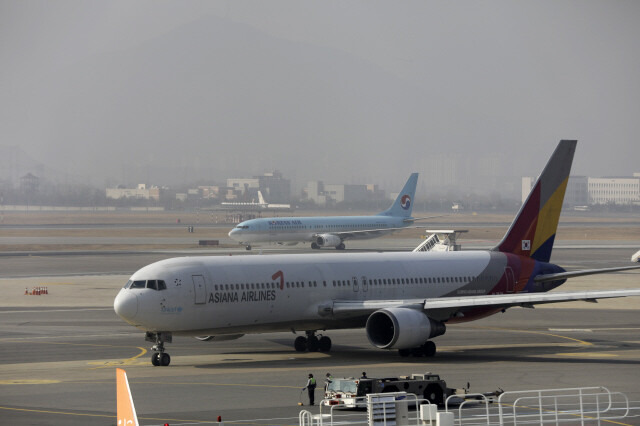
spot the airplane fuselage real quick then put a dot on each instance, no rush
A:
(225, 295)
(306, 229)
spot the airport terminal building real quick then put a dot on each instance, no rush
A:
(589, 191)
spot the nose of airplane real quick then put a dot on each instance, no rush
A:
(126, 305)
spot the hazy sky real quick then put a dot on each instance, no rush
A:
(342, 91)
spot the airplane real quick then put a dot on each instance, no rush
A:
(402, 299)
(329, 231)
(125, 409)
(260, 205)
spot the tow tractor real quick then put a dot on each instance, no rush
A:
(350, 392)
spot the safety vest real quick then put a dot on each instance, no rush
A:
(312, 382)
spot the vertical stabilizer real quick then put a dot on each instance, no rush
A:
(403, 205)
(533, 231)
(261, 198)
(125, 408)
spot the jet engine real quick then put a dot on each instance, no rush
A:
(219, 338)
(328, 240)
(401, 328)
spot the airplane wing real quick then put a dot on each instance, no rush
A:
(414, 219)
(345, 235)
(445, 307)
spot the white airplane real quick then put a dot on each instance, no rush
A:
(329, 231)
(402, 299)
(260, 205)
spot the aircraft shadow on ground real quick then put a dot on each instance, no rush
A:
(342, 355)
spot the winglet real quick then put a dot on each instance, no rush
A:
(125, 408)
(534, 229)
(403, 205)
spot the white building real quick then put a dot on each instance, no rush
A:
(583, 190)
(615, 190)
(141, 192)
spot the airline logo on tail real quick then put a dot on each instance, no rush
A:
(405, 202)
(125, 408)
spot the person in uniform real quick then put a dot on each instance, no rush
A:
(311, 388)
(328, 380)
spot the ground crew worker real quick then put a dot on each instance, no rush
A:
(328, 380)
(311, 388)
(364, 375)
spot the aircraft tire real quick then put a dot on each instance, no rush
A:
(165, 359)
(313, 344)
(315, 246)
(324, 344)
(340, 246)
(404, 352)
(429, 348)
(155, 359)
(300, 344)
(248, 248)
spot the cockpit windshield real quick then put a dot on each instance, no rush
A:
(242, 227)
(152, 284)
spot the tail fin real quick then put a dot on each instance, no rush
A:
(534, 229)
(261, 198)
(403, 205)
(126, 409)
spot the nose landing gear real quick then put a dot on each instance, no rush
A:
(159, 356)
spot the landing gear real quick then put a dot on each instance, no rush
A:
(312, 343)
(315, 246)
(340, 246)
(428, 350)
(248, 247)
(159, 358)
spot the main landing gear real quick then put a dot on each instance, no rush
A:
(312, 343)
(428, 350)
(159, 358)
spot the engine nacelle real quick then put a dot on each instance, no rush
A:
(401, 328)
(219, 338)
(328, 240)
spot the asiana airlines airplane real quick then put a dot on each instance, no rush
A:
(403, 299)
(329, 231)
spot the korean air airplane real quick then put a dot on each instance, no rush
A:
(329, 231)
(402, 299)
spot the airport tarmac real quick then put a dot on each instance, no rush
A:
(59, 351)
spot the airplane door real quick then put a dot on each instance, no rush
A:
(508, 274)
(355, 284)
(365, 287)
(199, 289)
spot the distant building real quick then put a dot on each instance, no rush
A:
(29, 183)
(273, 186)
(585, 191)
(614, 190)
(323, 194)
(141, 192)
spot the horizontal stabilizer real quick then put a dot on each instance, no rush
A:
(565, 275)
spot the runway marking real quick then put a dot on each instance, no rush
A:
(38, 311)
(128, 361)
(28, 382)
(582, 342)
(587, 355)
(589, 330)
(110, 416)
